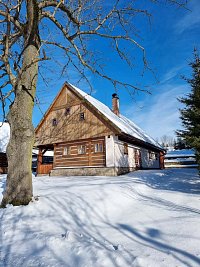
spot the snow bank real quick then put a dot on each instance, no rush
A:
(145, 218)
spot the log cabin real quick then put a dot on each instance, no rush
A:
(88, 138)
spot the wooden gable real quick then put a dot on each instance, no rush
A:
(63, 123)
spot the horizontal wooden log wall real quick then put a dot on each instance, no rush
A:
(90, 158)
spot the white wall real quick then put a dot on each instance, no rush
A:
(121, 159)
(115, 156)
(149, 163)
(131, 156)
(109, 142)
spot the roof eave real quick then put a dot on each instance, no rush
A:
(144, 144)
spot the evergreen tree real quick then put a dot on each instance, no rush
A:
(190, 115)
(180, 144)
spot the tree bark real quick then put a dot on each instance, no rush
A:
(19, 150)
(19, 189)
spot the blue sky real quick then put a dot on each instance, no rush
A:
(169, 41)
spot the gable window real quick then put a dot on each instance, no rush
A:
(54, 122)
(98, 147)
(67, 111)
(66, 150)
(82, 116)
(125, 148)
(82, 149)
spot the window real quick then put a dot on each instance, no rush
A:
(125, 148)
(152, 155)
(82, 116)
(54, 122)
(47, 160)
(66, 150)
(67, 111)
(82, 149)
(98, 147)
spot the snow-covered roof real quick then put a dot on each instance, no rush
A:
(180, 153)
(4, 136)
(123, 123)
(48, 153)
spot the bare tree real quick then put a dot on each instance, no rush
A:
(24, 44)
(167, 140)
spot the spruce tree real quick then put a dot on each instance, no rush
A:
(190, 114)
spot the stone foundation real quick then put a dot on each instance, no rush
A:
(93, 171)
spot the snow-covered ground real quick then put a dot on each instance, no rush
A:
(146, 218)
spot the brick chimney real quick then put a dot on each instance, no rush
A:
(115, 104)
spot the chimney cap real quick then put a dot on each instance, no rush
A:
(115, 96)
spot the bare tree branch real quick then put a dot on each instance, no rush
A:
(78, 21)
(61, 6)
(5, 56)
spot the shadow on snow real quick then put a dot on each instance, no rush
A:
(180, 180)
(72, 214)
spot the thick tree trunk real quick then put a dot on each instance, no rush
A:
(19, 189)
(19, 151)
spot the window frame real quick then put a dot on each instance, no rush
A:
(81, 116)
(54, 122)
(67, 111)
(98, 146)
(66, 151)
(125, 146)
(151, 155)
(82, 151)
